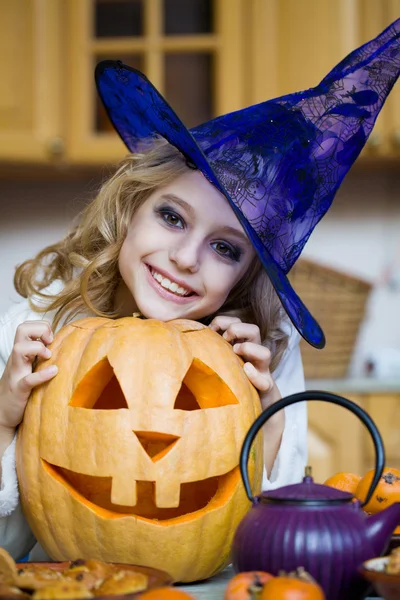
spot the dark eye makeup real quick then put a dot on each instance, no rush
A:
(172, 219)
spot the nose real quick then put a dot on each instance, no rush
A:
(186, 255)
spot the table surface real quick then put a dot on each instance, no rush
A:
(357, 385)
(213, 588)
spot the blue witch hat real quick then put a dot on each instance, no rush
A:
(279, 163)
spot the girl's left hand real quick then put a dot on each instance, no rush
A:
(246, 342)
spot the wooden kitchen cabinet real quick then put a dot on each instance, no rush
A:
(295, 44)
(194, 56)
(384, 409)
(208, 57)
(338, 441)
(31, 81)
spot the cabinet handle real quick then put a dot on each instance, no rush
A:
(56, 147)
(396, 138)
(374, 140)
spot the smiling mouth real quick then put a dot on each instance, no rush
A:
(168, 285)
(95, 492)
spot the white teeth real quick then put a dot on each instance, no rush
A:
(172, 286)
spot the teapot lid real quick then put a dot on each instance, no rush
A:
(306, 492)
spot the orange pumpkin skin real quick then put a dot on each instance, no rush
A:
(131, 452)
(290, 588)
(240, 586)
(386, 493)
(346, 482)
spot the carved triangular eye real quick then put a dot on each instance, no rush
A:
(185, 400)
(203, 388)
(156, 445)
(99, 389)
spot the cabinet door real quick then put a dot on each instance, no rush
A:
(191, 50)
(337, 439)
(31, 80)
(384, 409)
(294, 44)
(373, 17)
(297, 43)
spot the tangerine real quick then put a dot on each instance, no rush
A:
(165, 593)
(291, 588)
(386, 493)
(346, 482)
(243, 585)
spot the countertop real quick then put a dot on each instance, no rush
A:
(361, 385)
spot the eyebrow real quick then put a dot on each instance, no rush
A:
(188, 207)
(190, 210)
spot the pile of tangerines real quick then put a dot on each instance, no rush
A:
(386, 493)
(259, 585)
(254, 585)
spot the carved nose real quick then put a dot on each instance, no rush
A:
(155, 444)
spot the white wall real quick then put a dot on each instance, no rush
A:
(360, 235)
(34, 214)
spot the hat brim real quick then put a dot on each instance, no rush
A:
(138, 111)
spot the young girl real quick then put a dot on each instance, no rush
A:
(204, 226)
(160, 240)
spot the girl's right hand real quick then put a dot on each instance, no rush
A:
(31, 340)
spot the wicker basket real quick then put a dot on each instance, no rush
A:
(337, 301)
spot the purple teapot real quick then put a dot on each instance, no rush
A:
(310, 525)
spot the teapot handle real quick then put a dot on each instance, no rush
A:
(326, 397)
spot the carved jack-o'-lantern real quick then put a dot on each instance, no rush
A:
(130, 454)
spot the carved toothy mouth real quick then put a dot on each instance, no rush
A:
(95, 492)
(100, 391)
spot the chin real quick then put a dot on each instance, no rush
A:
(160, 313)
(166, 313)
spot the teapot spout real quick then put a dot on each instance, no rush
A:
(380, 527)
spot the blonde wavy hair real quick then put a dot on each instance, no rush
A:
(86, 260)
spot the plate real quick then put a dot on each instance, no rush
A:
(386, 585)
(156, 577)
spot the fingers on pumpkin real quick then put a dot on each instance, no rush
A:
(221, 323)
(34, 330)
(28, 350)
(243, 331)
(34, 379)
(257, 354)
(260, 381)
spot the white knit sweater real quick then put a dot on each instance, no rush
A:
(15, 534)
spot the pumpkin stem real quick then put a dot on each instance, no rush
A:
(255, 589)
